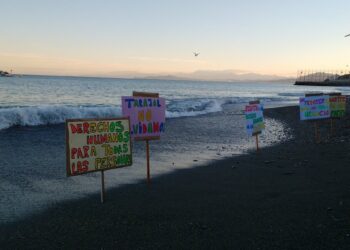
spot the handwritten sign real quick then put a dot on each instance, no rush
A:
(314, 107)
(97, 144)
(337, 105)
(255, 118)
(147, 116)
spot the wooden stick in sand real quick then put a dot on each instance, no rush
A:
(148, 166)
(147, 139)
(102, 186)
(317, 135)
(332, 127)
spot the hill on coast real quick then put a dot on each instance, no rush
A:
(203, 75)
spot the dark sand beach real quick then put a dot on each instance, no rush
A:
(293, 195)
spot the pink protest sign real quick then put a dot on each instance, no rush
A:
(147, 116)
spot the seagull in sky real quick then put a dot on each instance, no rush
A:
(347, 35)
(196, 54)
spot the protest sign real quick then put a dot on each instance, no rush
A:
(147, 116)
(255, 118)
(337, 106)
(314, 107)
(97, 145)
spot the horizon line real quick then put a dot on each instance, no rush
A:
(159, 77)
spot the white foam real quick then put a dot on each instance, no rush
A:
(45, 115)
(193, 107)
(55, 114)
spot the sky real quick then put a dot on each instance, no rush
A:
(111, 37)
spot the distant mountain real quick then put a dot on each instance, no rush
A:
(205, 75)
(231, 76)
(165, 77)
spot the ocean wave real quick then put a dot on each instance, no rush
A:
(46, 115)
(292, 94)
(55, 114)
(192, 107)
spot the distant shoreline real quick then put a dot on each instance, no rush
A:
(5, 74)
(287, 80)
(325, 83)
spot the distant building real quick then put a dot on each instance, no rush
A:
(323, 78)
(5, 73)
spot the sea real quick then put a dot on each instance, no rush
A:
(45, 100)
(204, 122)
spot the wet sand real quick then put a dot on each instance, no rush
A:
(33, 171)
(294, 195)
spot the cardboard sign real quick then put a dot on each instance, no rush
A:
(147, 116)
(314, 107)
(97, 144)
(337, 105)
(255, 119)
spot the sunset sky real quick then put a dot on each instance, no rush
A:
(91, 37)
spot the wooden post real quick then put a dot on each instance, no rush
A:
(102, 187)
(331, 127)
(317, 136)
(148, 167)
(315, 131)
(147, 139)
(335, 95)
(315, 125)
(257, 142)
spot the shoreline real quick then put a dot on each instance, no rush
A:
(39, 178)
(287, 196)
(331, 83)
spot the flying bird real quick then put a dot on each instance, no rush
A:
(347, 35)
(196, 54)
